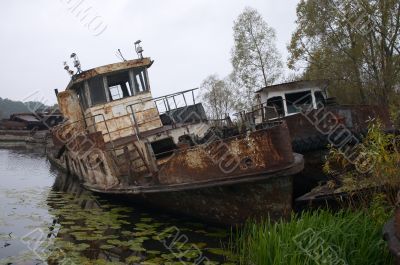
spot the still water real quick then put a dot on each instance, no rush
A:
(46, 218)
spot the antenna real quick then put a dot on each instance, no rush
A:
(77, 63)
(119, 55)
(139, 49)
(66, 68)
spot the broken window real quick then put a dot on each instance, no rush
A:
(277, 103)
(97, 92)
(140, 81)
(320, 99)
(163, 148)
(80, 90)
(119, 86)
(298, 101)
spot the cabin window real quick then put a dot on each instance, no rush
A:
(277, 103)
(319, 99)
(163, 148)
(140, 81)
(80, 90)
(297, 100)
(97, 92)
(119, 86)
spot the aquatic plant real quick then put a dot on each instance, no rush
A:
(89, 230)
(320, 237)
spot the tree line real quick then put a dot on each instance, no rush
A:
(8, 107)
(355, 44)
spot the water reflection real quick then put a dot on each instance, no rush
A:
(53, 220)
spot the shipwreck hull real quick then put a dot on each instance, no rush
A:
(314, 130)
(229, 205)
(228, 202)
(339, 125)
(251, 154)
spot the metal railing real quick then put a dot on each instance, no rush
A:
(87, 127)
(166, 100)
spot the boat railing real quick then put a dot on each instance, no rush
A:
(174, 105)
(93, 125)
(226, 122)
(134, 122)
(179, 100)
(264, 111)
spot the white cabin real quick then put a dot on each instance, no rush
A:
(283, 96)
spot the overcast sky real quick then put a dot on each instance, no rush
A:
(188, 40)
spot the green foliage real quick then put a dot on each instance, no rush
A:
(89, 230)
(382, 153)
(381, 209)
(352, 237)
(255, 58)
(355, 44)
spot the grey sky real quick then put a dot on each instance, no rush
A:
(188, 40)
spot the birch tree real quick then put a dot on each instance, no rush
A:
(255, 58)
(217, 97)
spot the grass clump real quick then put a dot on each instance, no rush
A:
(319, 237)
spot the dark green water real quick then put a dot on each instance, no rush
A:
(46, 218)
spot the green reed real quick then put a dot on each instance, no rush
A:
(319, 237)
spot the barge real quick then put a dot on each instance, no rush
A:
(23, 128)
(120, 140)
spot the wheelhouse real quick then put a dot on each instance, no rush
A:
(285, 98)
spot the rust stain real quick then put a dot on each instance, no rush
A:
(218, 159)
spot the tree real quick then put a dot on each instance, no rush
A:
(255, 58)
(217, 97)
(354, 43)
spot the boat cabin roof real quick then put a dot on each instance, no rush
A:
(296, 85)
(110, 68)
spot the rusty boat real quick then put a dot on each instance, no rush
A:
(23, 128)
(120, 140)
(315, 120)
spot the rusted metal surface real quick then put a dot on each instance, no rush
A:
(391, 233)
(261, 184)
(12, 125)
(232, 204)
(228, 201)
(26, 117)
(69, 105)
(312, 131)
(145, 62)
(30, 121)
(254, 153)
